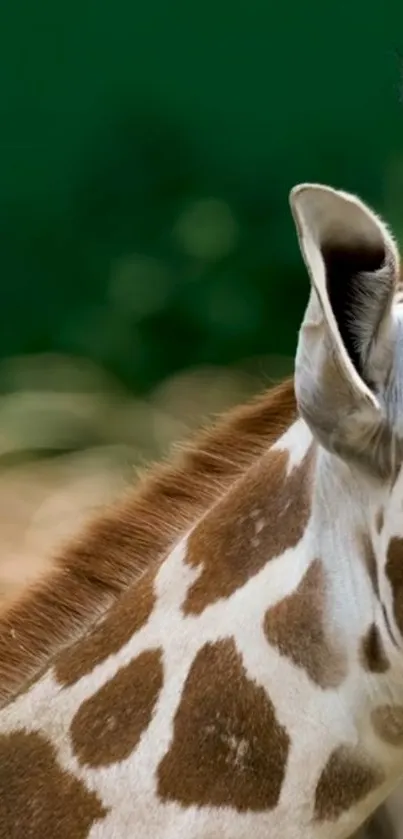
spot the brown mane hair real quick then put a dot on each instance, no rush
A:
(120, 544)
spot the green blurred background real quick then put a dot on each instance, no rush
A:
(150, 272)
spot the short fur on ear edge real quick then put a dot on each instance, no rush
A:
(326, 218)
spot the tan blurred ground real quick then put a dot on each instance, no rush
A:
(97, 434)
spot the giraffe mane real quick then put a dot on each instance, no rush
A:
(116, 547)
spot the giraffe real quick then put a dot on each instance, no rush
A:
(220, 655)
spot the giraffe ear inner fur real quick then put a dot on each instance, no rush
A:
(353, 265)
(347, 341)
(355, 296)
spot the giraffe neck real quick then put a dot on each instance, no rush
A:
(119, 545)
(241, 686)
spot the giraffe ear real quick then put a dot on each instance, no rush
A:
(347, 339)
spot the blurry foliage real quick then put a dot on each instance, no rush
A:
(146, 161)
(149, 269)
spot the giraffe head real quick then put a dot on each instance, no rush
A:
(349, 364)
(349, 371)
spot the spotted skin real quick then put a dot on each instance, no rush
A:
(220, 655)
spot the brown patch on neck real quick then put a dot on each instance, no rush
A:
(119, 545)
(388, 626)
(296, 626)
(380, 520)
(122, 622)
(345, 781)
(263, 515)
(387, 721)
(372, 652)
(394, 573)
(369, 557)
(108, 726)
(37, 797)
(228, 749)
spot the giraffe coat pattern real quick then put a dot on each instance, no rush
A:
(220, 656)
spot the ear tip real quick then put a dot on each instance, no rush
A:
(312, 203)
(295, 191)
(309, 187)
